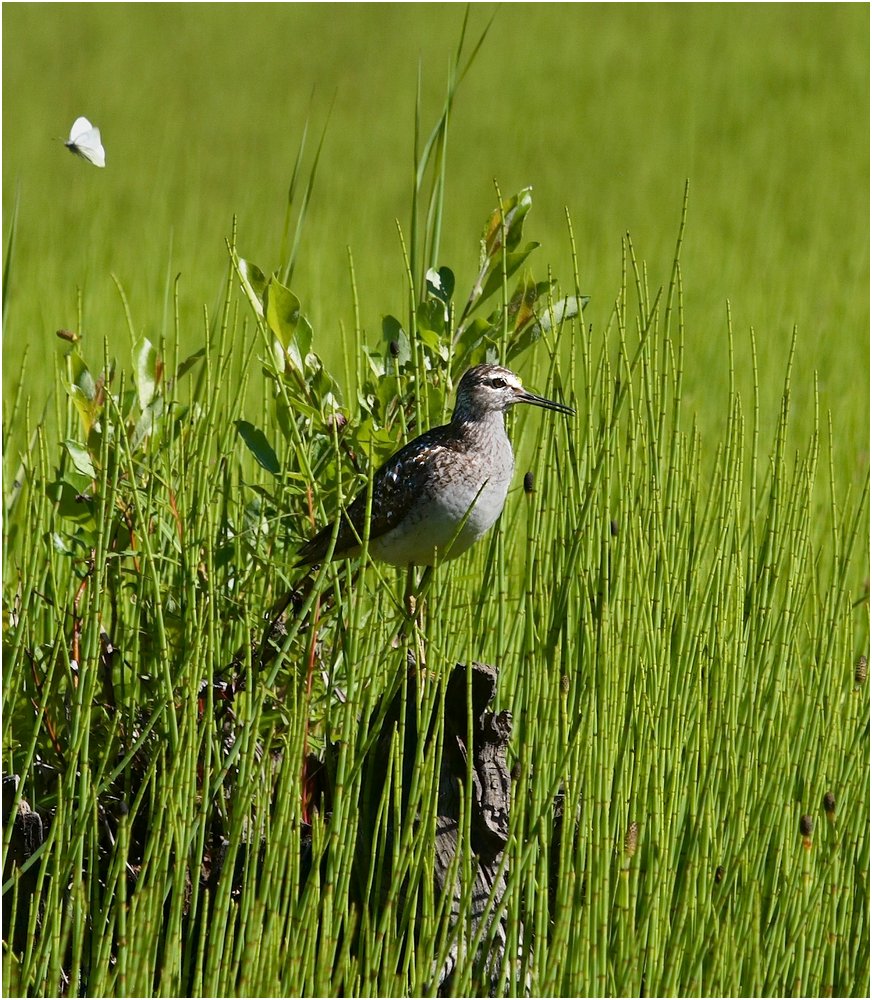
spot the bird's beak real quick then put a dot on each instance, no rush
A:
(546, 404)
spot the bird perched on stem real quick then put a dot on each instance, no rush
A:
(440, 493)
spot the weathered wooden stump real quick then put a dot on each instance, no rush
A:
(474, 743)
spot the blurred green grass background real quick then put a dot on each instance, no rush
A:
(603, 109)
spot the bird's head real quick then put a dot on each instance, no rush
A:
(492, 388)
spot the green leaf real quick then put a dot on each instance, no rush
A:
(81, 459)
(72, 503)
(387, 389)
(255, 519)
(561, 311)
(145, 366)
(378, 441)
(375, 360)
(146, 423)
(291, 328)
(433, 342)
(324, 387)
(87, 407)
(282, 311)
(430, 316)
(284, 418)
(523, 302)
(190, 361)
(507, 225)
(60, 544)
(253, 283)
(256, 442)
(440, 284)
(513, 260)
(86, 393)
(532, 324)
(397, 340)
(295, 405)
(82, 377)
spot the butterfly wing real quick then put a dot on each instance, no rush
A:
(85, 141)
(90, 147)
(80, 125)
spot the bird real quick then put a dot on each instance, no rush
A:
(440, 493)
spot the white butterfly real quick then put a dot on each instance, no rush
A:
(84, 141)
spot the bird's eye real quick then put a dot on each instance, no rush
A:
(498, 383)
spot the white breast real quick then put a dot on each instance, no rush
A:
(473, 488)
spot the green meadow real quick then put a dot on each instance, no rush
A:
(662, 212)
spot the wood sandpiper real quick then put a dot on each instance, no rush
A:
(440, 493)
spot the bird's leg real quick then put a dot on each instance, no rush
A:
(410, 601)
(413, 603)
(413, 599)
(424, 584)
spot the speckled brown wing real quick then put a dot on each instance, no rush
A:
(396, 486)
